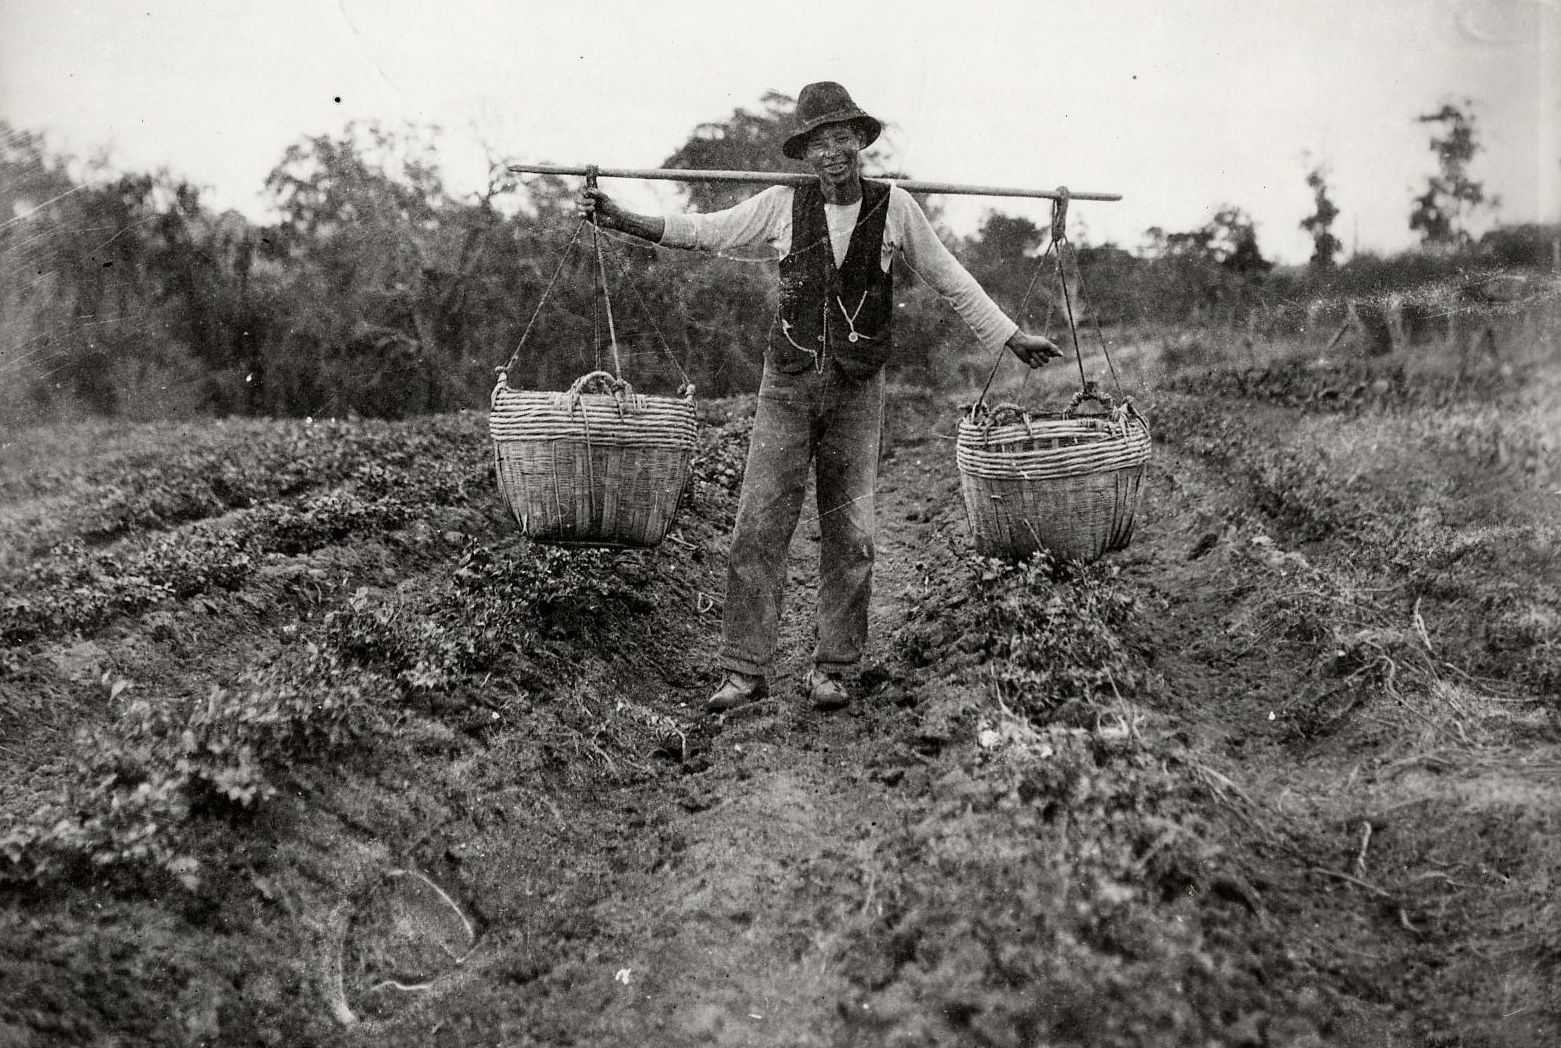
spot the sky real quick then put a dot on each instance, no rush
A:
(1180, 107)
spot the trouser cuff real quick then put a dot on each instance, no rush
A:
(836, 667)
(735, 664)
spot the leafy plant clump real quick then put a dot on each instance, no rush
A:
(142, 782)
(1058, 656)
(159, 477)
(74, 587)
(1045, 634)
(1061, 888)
(1067, 880)
(502, 607)
(165, 763)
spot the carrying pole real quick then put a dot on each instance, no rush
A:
(799, 178)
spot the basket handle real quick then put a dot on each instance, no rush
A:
(1005, 414)
(603, 382)
(1091, 391)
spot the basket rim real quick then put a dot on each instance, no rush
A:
(1084, 430)
(503, 387)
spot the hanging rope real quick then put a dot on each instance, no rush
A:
(1060, 238)
(601, 271)
(688, 386)
(623, 274)
(562, 259)
(1094, 316)
(602, 303)
(1062, 246)
(596, 313)
(997, 363)
(1024, 305)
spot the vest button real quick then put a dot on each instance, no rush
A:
(821, 338)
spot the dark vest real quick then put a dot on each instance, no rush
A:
(844, 314)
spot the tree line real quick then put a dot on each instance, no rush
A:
(380, 292)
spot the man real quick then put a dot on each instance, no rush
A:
(821, 398)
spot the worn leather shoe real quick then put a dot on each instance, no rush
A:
(826, 690)
(738, 689)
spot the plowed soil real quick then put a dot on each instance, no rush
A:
(1263, 782)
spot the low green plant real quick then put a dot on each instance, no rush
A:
(160, 763)
(1054, 645)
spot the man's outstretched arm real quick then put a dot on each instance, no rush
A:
(934, 263)
(594, 203)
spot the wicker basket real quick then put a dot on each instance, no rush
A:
(598, 465)
(1064, 482)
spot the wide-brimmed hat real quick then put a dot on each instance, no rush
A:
(826, 102)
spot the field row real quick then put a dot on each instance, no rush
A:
(162, 763)
(1444, 504)
(160, 477)
(76, 588)
(1069, 864)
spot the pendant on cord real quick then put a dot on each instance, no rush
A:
(851, 317)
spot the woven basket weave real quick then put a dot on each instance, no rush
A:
(598, 465)
(1065, 483)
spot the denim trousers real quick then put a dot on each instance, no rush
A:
(834, 423)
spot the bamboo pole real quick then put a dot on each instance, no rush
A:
(799, 178)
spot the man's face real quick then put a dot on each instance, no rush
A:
(834, 152)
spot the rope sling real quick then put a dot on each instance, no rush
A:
(1064, 482)
(597, 464)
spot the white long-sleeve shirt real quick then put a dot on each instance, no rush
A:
(764, 219)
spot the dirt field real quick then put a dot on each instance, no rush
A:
(301, 745)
